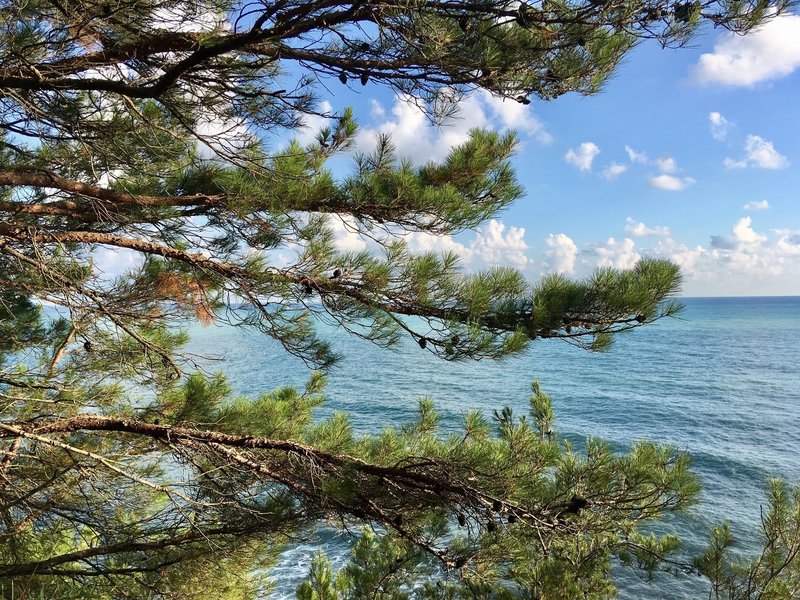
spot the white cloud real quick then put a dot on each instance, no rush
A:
(416, 139)
(346, 234)
(731, 163)
(641, 230)
(515, 115)
(219, 136)
(420, 242)
(770, 52)
(744, 237)
(561, 255)
(493, 245)
(742, 262)
(720, 126)
(108, 178)
(756, 205)
(636, 157)
(666, 164)
(311, 124)
(746, 255)
(376, 109)
(618, 254)
(744, 233)
(582, 156)
(670, 183)
(722, 242)
(199, 17)
(788, 244)
(109, 263)
(761, 153)
(682, 255)
(614, 170)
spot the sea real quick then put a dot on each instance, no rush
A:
(720, 381)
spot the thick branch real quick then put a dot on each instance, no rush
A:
(165, 41)
(47, 179)
(383, 300)
(429, 476)
(49, 566)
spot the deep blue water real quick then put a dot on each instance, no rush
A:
(720, 381)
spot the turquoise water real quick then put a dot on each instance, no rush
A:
(721, 382)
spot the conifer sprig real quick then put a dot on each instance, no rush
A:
(160, 131)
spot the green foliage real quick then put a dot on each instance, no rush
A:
(162, 129)
(231, 576)
(542, 411)
(547, 509)
(320, 584)
(775, 574)
(381, 567)
(20, 322)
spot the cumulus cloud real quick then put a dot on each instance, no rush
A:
(376, 109)
(619, 254)
(756, 205)
(687, 258)
(109, 263)
(582, 156)
(788, 243)
(770, 52)
(515, 115)
(221, 137)
(346, 234)
(416, 139)
(741, 261)
(743, 235)
(198, 18)
(639, 229)
(419, 242)
(560, 257)
(759, 153)
(666, 164)
(613, 170)
(667, 167)
(494, 243)
(636, 157)
(720, 126)
(746, 254)
(311, 124)
(670, 182)
(744, 261)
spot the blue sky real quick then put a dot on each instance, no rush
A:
(690, 154)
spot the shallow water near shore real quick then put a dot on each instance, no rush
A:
(721, 382)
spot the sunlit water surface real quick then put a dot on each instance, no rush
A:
(721, 382)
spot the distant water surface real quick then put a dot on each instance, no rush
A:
(721, 381)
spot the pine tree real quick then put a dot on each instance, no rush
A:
(163, 128)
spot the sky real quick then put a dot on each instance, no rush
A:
(690, 154)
